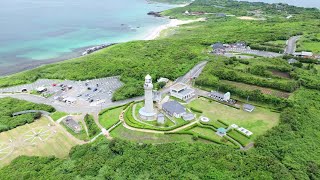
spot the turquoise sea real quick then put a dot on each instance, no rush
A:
(37, 30)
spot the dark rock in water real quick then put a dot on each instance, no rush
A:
(155, 14)
(96, 48)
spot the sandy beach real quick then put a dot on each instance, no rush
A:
(173, 23)
(153, 34)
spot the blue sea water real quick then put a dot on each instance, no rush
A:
(37, 30)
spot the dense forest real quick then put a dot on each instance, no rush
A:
(8, 106)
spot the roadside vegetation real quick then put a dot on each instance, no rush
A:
(110, 117)
(57, 115)
(8, 106)
(93, 129)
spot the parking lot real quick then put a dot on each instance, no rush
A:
(91, 92)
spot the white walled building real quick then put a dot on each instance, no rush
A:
(182, 91)
(148, 112)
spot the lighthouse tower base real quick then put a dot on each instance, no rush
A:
(147, 116)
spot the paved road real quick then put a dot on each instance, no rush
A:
(291, 45)
(71, 108)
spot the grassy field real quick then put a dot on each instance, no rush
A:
(239, 137)
(259, 121)
(109, 118)
(263, 90)
(57, 115)
(167, 123)
(310, 46)
(142, 137)
(209, 133)
(55, 143)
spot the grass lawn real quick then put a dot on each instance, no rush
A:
(310, 46)
(258, 122)
(57, 115)
(279, 43)
(109, 118)
(239, 137)
(58, 143)
(167, 123)
(209, 133)
(142, 137)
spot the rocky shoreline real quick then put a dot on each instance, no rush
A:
(155, 14)
(96, 48)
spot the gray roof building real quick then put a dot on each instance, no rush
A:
(248, 107)
(218, 46)
(173, 108)
(72, 124)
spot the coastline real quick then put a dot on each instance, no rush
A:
(154, 33)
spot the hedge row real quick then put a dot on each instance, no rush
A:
(196, 110)
(224, 123)
(132, 122)
(239, 140)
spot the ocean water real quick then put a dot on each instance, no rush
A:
(38, 30)
(300, 3)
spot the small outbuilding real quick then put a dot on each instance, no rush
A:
(219, 96)
(188, 117)
(160, 119)
(72, 124)
(221, 132)
(245, 131)
(248, 107)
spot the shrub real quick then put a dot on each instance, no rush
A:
(196, 110)
(93, 129)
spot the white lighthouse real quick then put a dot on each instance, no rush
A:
(148, 112)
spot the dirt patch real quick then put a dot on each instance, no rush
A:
(280, 74)
(249, 18)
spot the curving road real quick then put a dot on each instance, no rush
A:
(291, 45)
(72, 108)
